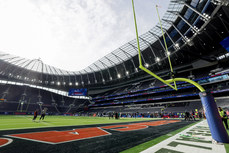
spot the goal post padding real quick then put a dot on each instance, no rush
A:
(214, 120)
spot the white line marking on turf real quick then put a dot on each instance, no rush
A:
(63, 125)
(29, 139)
(188, 149)
(9, 141)
(75, 132)
(108, 133)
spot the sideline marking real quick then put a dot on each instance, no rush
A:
(5, 141)
(124, 128)
(199, 140)
(57, 137)
(138, 126)
(62, 125)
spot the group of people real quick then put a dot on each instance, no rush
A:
(115, 115)
(223, 116)
(43, 113)
(191, 116)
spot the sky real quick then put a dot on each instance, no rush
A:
(72, 34)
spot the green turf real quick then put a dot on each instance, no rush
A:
(153, 142)
(227, 145)
(22, 122)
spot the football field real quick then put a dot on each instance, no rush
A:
(19, 133)
(9, 122)
(73, 134)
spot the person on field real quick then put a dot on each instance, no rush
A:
(116, 115)
(223, 116)
(193, 116)
(35, 115)
(43, 112)
(187, 116)
(110, 115)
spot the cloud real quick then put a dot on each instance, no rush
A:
(68, 34)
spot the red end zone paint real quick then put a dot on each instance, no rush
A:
(158, 123)
(5, 141)
(123, 128)
(138, 126)
(55, 137)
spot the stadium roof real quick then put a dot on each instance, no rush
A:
(116, 57)
(193, 30)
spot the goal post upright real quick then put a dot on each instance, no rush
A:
(215, 123)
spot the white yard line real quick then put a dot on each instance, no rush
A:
(195, 139)
(32, 127)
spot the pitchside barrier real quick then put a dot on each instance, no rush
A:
(214, 120)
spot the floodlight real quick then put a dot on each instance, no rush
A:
(157, 59)
(146, 65)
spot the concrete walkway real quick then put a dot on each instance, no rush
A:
(196, 139)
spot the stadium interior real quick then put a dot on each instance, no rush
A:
(193, 32)
(197, 35)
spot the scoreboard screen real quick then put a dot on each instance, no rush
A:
(78, 92)
(225, 43)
